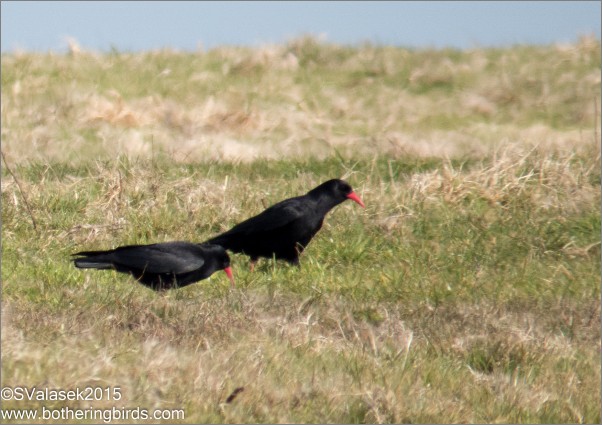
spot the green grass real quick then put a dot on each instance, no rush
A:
(468, 290)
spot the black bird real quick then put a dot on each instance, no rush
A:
(285, 229)
(161, 266)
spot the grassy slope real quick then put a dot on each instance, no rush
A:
(467, 291)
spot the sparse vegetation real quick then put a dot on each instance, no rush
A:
(468, 290)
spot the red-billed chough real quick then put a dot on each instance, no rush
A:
(284, 229)
(161, 266)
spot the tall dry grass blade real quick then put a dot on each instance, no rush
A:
(21, 191)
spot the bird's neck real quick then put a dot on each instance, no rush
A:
(324, 204)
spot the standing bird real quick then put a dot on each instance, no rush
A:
(161, 266)
(284, 229)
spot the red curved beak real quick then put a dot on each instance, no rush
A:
(356, 198)
(228, 271)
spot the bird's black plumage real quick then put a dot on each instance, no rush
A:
(162, 265)
(286, 228)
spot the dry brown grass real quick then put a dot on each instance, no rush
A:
(295, 357)
(298, 99)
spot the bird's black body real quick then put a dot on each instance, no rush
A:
(160, 266)
(286, 228)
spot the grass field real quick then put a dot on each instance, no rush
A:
(468, 290)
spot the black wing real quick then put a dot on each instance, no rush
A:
(170, 257)
(275, 217)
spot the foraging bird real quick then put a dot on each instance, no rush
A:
(161, 266)
(286, 228)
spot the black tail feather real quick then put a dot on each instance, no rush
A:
(92, 260)
(83, 263)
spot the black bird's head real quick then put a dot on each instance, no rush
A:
(337, 190)
(220, 259)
